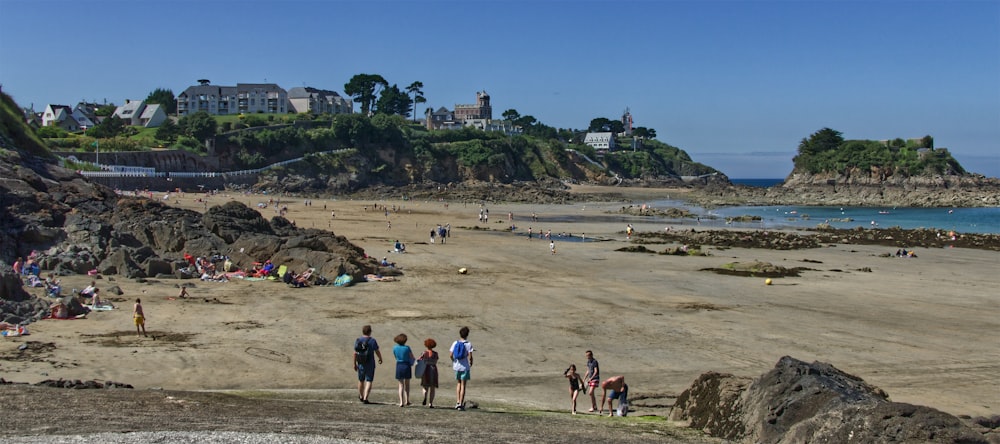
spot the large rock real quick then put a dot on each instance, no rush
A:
(800, 402)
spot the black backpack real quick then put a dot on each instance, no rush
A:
(362, 350)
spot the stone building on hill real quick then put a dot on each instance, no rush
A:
(444, 119)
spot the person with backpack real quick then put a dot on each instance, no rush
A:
(365, 351)
(461, 356)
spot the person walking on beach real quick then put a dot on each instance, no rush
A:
(575, 384)
(139, 317)
(365, 351)
(404, 368)
(429, 380)
(613, 388)
(592, 379)
(552, 246)
(461, 356)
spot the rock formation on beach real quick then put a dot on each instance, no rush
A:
(72, 226)
(801, 402)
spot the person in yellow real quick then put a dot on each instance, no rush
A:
(139, 318)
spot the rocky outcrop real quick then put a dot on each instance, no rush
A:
(801, 402)
(72, 226)
(862, 189)
(786, 240)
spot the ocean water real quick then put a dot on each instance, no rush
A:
(964, 220)
(760, 183)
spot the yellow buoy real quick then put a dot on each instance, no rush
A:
(767, 281)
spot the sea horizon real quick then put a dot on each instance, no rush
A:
(759, 183)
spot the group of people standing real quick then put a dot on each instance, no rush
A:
(366, 351)
(612, 388)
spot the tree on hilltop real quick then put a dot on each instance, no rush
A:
(416, 90)
(199, 125)
(647, 133)
(815, 145)
(163, 97)
(365, 89)
(393, 101)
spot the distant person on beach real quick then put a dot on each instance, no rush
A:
(139, 317)
(592, 379)
(404, 368)
(88, 292)
(575, 384)
(613, 388)
(365, 351)
(429, 380)
(461, 356)
(552, 247)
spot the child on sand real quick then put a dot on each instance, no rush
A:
(139, 318)
(575, 384)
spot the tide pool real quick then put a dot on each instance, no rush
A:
(963, 220)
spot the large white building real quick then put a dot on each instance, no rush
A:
(244, 98)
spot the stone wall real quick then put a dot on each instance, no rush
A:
(187, 184)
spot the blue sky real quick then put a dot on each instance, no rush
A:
(735, 84)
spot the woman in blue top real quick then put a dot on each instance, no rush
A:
(404, 370)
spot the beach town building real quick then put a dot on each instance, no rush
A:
(445, 119)
(64, 117)
(306, 99)
(244, 98)
(138, 113)
(478, 115)
(602, 142)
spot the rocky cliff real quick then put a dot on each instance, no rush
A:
(866, 188)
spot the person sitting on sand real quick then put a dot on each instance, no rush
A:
(88, 292)
(385, 263)
(95, 298)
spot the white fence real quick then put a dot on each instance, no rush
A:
(152, 173)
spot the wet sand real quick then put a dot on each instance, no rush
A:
(923, 329)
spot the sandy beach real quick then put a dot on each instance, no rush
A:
(922, 329)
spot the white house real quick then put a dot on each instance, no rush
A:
(602, 142)
(61, 116)
(137, 113)
(153, 116)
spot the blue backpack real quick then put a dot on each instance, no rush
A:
(461, 350)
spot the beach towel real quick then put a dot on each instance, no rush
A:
(281, 272)
(343, 280)
(101, 307)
